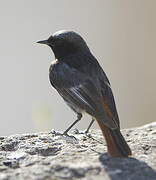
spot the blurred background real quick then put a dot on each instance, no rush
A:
(120, 33)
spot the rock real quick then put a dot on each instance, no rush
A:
(51, 156)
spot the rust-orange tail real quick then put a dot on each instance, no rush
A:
(116, 144)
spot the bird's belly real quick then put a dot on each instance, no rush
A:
(74, 107)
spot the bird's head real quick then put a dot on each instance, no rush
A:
(65, 43)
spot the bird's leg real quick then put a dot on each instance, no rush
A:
(87, 130)
(79, 116)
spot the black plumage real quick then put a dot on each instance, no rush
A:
(82, 83)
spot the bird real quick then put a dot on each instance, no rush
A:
(80, 80)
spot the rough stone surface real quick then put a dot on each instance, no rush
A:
(50, 156)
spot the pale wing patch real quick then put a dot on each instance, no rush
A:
(75, 91)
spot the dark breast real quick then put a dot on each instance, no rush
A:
(54, 72)
(60, 75)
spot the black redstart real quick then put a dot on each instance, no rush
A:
(84, 86)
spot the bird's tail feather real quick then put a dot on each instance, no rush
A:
(120, 143)
(116, 144)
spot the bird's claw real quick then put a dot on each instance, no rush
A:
(67, 135)
(86, 133)
(63, 134)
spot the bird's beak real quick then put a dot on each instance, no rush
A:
(43, 42)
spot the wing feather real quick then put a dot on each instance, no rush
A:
(82, 91)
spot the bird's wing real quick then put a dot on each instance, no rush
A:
(81, 96)
(108, 98)
(82, 91)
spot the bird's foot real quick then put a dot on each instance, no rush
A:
(86, 133)
(67, 135)
(62, 134)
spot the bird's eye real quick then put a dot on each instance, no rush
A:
(55, 41)
(58, 42)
